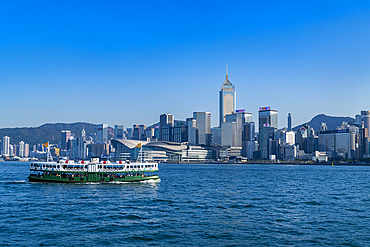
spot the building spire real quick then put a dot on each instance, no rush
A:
(227, 73)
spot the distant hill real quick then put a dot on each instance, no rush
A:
(331, 122)
(47, 132)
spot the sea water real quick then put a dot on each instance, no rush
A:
(192, 205)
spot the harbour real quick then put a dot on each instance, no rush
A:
(195, 205)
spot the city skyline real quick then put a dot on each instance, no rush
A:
(123, 63)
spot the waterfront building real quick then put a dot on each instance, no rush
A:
(180, 132)
(130, 134)
(118, 132)
(75, 148)
(289, 152)
(98, 149)
(204, 127)
(149, 132)
(239, 117)
(26, 150)
(165, 119)
(228, 134)
(66, 136)
(267, 126)
(138, 131)
(338, 143)
(83, 145)
(6, 146)
(365, 115)
(289, 137)
(102, 133)
(216, 135)
(289, 122)
(12, 150)
(192, 131)
(21, 149)
(265, 135)
(167, 133)
(366, 120)
(227, 99)
(160, 151)
(248, 140)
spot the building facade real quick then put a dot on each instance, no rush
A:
(227, 99)
(204, 127)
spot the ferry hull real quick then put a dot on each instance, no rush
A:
(89, 179)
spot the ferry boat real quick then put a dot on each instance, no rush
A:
(93, 171)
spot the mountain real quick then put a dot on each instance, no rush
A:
(47, 132)
(331, 122)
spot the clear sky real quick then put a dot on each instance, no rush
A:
(130, 61)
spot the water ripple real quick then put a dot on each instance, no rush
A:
(194, 205)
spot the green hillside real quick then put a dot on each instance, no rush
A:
(44, 133)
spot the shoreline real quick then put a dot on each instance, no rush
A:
(271, 163)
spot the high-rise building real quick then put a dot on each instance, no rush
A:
(216, 133)
(289, 122)
(192, 130)
(66, 136)
(118, 132)
(130, 133)
(289, 137)
(6, 146)
(165, 119)
(239, 117)
(227, 99)
(248, 140)
(267, 118)
(204, 127)
(180, 132)
(21, 149)
(228, 134)
(102, 133)
(167, 133)
(26, 150)
(138, 131)
(366, 119)
(83, 145)
(267, 125)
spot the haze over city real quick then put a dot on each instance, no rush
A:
(130, 61)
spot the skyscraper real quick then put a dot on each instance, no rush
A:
(204, 127)
(165, 119)
(83, 144)
(21, 149)
(6, 146)
(118, 132)
(267, 125)
(366, 120)
(289, 122)
(192, 130)
(102, 133)
(239, 117)
(66, 135)
(227, 99)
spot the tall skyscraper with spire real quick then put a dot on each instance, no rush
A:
(227, 98)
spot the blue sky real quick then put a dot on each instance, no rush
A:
(128, 62)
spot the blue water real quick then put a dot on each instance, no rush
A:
(193, 205)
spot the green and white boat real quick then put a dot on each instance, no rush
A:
(93, 171)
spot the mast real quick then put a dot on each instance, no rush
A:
(48, 154)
